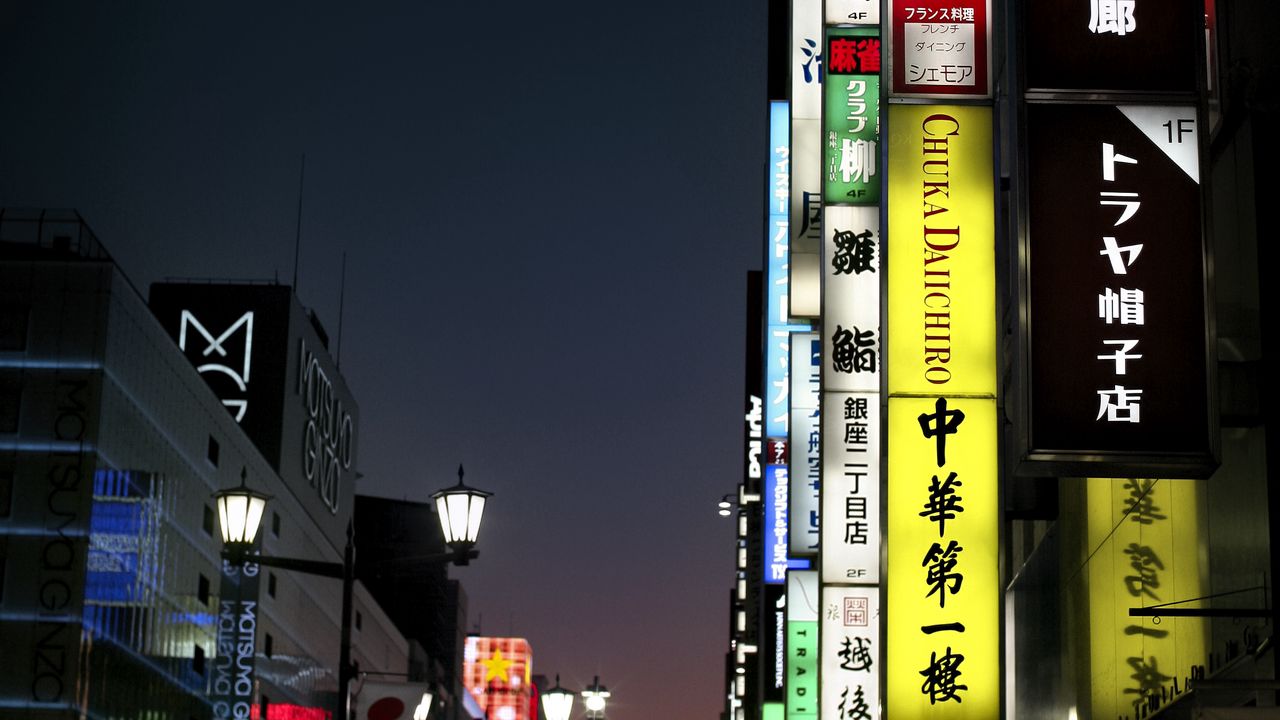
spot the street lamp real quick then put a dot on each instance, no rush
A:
(460, 509)
(594, 698)
(240, 512)
(726, 505)
(557, 702)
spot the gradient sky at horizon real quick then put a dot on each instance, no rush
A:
(548, 214)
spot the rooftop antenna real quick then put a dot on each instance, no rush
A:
(297, 238)
(342, 294)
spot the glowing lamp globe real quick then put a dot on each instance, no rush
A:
(594, 698)
(460, 509)
(240, 513)
(557, 702)
(725, 505)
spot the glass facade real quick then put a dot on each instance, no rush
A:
(110, 575)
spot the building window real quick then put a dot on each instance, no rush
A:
(268, 645)
(212, 453)
(275, 524)
(4, 552)
(207, 523)
(197, 661)
(271, 584)
(13, 327)
(202, 589)
(10, 401)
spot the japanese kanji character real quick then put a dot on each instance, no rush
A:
(854, 252)
(1120, 404)
(941, 676)
(941, 562)
(943, 503)
(1146, 563)
(940, 424)
(1126, 306)
(855, 659)
(1121, 356)
(1112, 16)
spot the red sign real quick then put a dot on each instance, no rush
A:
(941, 48)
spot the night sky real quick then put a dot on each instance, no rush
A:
(548, 211)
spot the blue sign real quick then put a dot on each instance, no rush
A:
(778, 322)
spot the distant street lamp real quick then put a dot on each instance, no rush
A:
(240, 512)
(594, 698)
(726, 505)
(557, 702)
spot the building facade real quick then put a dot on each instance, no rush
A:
(114, 600)
(1023, 251)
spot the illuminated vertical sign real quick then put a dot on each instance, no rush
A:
(778, 323)
(802, 645)
(942, 316)
(1118, 330)
(942, 623)
(850, 652)
(851, 299)
(851, 155)
(850, 527)
(851, 488)
(806, 156)
(234, 686)
(773, 643)
(941, 48)
(805, 459)
(498, 672)
(1142, 544)
(776, 500)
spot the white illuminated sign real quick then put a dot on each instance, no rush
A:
(851, 652)
(238, 374)
(851, 488)
(329, 437)
(851, 299)
(803, 450)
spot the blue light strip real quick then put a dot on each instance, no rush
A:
(30, 364)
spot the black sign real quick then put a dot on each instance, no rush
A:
(773, 632)
(236, 337)
(1117, 336)
(1113, 45)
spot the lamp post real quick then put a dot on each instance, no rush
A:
(557, 702)
(240, 512)
(594, 698)
(726, 504)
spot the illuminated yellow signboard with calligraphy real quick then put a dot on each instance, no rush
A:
(1143, 550)
(942, 243)
(942, 624)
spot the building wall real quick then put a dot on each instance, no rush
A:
(133, 559)
(1072, 648)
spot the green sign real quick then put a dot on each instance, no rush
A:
(851, 125)
(802, 670)
(772, 711)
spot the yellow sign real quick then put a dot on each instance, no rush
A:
(496, 667)
(942, 615)
(1142, 544)
(941, 251)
